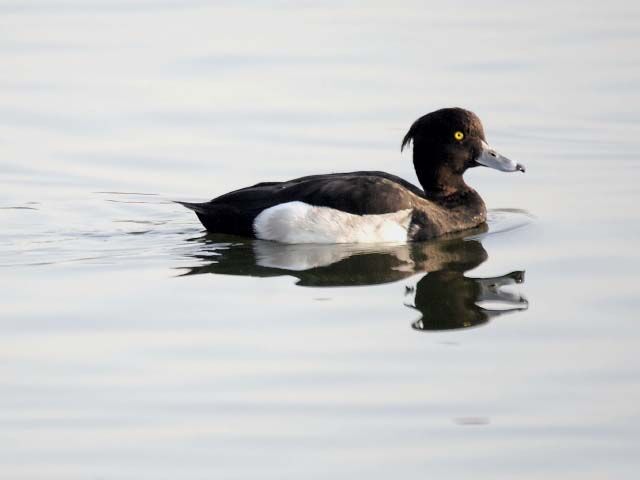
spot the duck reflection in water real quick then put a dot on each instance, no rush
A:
(444, 296)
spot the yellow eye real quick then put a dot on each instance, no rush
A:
(458, 135)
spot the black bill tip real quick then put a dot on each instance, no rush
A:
(520, 167)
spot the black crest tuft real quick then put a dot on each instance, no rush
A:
(410, 135)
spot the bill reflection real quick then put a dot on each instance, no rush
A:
(448, 300)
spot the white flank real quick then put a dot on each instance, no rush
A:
(299, 222)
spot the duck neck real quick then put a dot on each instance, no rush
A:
(446, 187)
(441, 183)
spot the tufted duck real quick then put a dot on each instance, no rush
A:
(370, 206)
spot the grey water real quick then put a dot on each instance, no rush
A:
(133, 345)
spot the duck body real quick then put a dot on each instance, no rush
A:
(354, 207)
(366, 206)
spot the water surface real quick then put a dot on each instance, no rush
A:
(136, 346)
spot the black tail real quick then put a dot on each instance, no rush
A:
(196, 207)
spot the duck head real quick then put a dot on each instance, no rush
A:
(445, 144)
